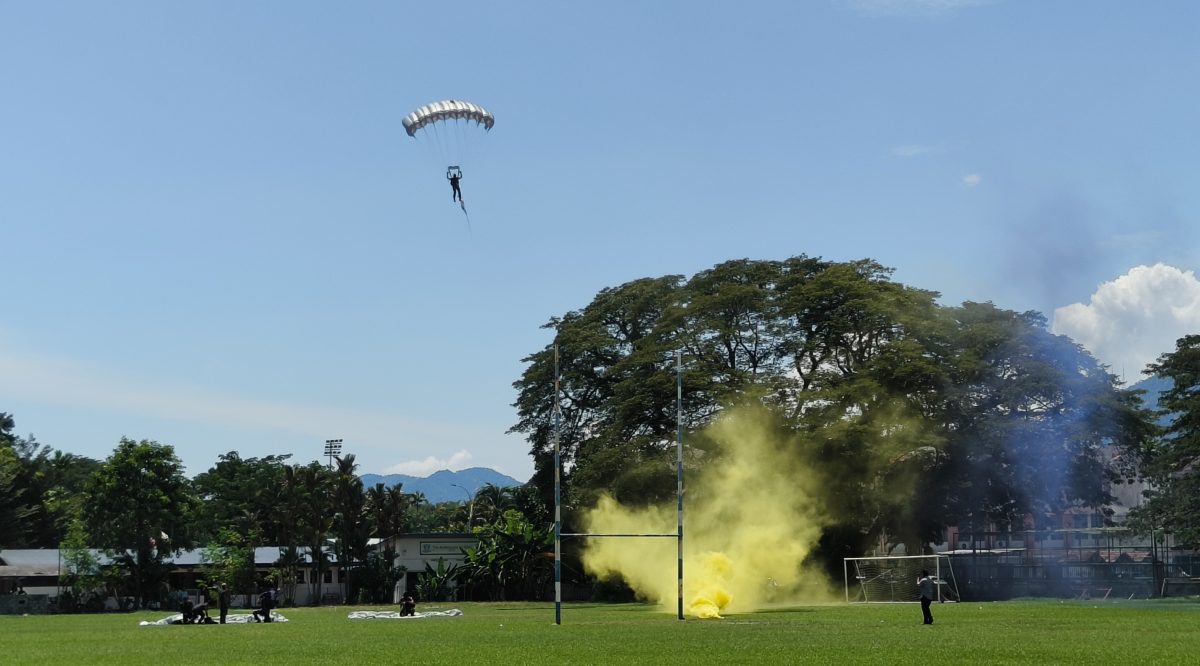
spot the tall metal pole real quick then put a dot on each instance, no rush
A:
(555, 418)
(679, 467)
(333, 447)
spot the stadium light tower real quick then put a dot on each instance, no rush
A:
(333, 447)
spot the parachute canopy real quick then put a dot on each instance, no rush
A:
(450, 109)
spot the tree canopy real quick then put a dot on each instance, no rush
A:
(1172, 463)
(919, 416)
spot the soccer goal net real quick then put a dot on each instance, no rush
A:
(894, 579)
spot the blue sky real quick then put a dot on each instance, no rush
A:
(217, 235)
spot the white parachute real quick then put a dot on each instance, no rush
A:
(451, 109)
(450, 130)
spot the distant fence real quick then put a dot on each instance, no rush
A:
(24, 604)
(1096, 563)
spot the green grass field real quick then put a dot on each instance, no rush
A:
(1027, 631)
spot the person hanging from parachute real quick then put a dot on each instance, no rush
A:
(454, 174)
(451, 139)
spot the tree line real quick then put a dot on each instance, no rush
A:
(140, 507)
(918, 416)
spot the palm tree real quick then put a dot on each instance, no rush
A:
(380, 511)
(387, 508)
(349, 504)
(491, 501)
(314, 517)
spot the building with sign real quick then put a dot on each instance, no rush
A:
(415, 551)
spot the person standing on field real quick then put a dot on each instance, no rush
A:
(925, 586)
(223, 601)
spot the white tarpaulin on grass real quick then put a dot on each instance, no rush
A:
(395, 615)
(240, 618)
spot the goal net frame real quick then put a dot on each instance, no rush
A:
(893, 578)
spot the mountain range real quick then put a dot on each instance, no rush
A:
(447, 486)
(444, 485)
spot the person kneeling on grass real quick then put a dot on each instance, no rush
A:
(408, 605)
(266, 601)
(185, 611)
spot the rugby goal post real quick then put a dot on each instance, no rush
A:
(893, 579)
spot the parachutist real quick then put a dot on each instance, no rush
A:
(454, 174)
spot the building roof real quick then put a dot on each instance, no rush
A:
(30, 557)
(14, 571)
(48, 561)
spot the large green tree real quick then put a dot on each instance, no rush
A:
(40, 489)
(15, 511)
(350, 523)
(1172, 463)
(387, 509)
(241, 494)
(918, 416)
(308, 498)
(139, 506)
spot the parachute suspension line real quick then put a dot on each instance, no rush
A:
(443, 150)
(426, 140)
(462, 144)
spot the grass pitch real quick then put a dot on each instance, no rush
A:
(1028, 631)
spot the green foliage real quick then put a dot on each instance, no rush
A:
(229, 560)
(1173, 461)
(376, 579)
(387, 509)
(40, 490)
(918, 416)
(80, 575)
(14, 510)
(138, 507)
(287, 574)
(513, 560)
(307, 503)
(440, 517)
(242, 494)
(434, 584)
(350, 523)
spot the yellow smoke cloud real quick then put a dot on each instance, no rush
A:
(752, 513)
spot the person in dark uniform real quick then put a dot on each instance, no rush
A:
(223, 601)
(408, 605)
(266, 601)
(185, 610)
(454, 174)
(925, 586)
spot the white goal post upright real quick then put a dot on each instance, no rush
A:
(556, 426)
(893, 579)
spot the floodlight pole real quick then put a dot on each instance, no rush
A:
(555, 418)
(679, 467)
(333, 447)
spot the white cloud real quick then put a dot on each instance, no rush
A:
(972, 179)
(915, 150)
(1133, 319)
(912, 7)
(457, 461)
